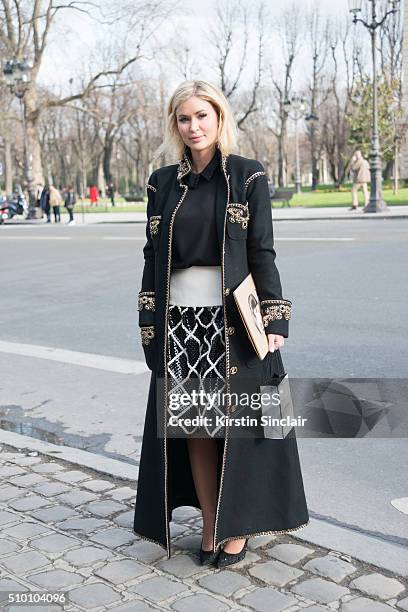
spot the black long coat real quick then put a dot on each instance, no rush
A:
(260, 487)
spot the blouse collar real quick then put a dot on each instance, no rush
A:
(185, 166)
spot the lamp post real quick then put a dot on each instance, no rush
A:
(295, 108)
(17, 75)
(376, 203)
(312, 119)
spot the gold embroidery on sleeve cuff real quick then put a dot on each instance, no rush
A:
(273, 310)
(147, 334)
(146, 299)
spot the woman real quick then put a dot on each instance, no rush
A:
(55, 202)
(69, 203)
(209, 225)
(94, 195)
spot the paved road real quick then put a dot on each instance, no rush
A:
(75, 289)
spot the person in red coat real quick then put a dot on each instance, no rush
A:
(94, 195)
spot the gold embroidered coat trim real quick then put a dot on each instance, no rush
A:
(146, 300)
(148, 186)
(147, 334)
(184, 166)
(273, 310)
(253, 177)
(154, 221)
(238, 213)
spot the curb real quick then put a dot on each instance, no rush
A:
(275, 215)
(75, 456)
(277, 219)
(362, 547)
(342, 218)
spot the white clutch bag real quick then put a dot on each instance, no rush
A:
(249, 308)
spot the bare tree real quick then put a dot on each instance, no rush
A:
(289, 31)
(318, 45)
(25, 27)
(390, 40)
(347, 64)
(230, 37)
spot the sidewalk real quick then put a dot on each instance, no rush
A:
(67, 528)
(279, 214)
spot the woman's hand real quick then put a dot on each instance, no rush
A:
(275, 341)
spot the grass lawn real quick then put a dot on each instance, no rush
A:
(342, 198)
(307, 199)
(105, 206)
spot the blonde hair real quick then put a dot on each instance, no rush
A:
(227, 135)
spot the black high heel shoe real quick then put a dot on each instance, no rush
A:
(207, 557)
(225, 558)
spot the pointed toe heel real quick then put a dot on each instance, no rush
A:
(207, 557)
(226, 559)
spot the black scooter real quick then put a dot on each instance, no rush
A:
(9, 208)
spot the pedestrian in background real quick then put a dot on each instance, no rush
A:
(38, 192)
(94, 195)
(69, 203)
(110, 192)
(55, 202)
(45, 202)
(361, 176)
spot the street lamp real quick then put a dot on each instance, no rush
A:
(295, 108)
(17, 75)
(312, 119)
(376, 203)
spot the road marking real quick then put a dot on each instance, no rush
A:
(310, 239)
(401, 504)
(87, 360)
(36, 238)
(283, 239)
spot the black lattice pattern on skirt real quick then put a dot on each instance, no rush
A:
(196, 360)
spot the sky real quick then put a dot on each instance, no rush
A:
(74, 40)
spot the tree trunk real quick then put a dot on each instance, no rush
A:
(33, 141)
(84, 181)
(101, 180)
(314, 159)
(281, 161)
(107, 159)
(8, 164)
(389, 166)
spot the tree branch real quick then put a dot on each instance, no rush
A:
(91, 85)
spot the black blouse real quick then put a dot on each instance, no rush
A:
(195, 241)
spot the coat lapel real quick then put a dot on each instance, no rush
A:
(175, 189)
(221, 201)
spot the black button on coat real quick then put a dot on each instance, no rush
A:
(260, 487)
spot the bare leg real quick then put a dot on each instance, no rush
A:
(234, 546)
(203, 459)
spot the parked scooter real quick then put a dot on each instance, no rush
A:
(10, 207)
(3, 210)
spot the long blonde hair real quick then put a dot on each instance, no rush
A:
(227, 135)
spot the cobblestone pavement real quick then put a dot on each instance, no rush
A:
(65, 529)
